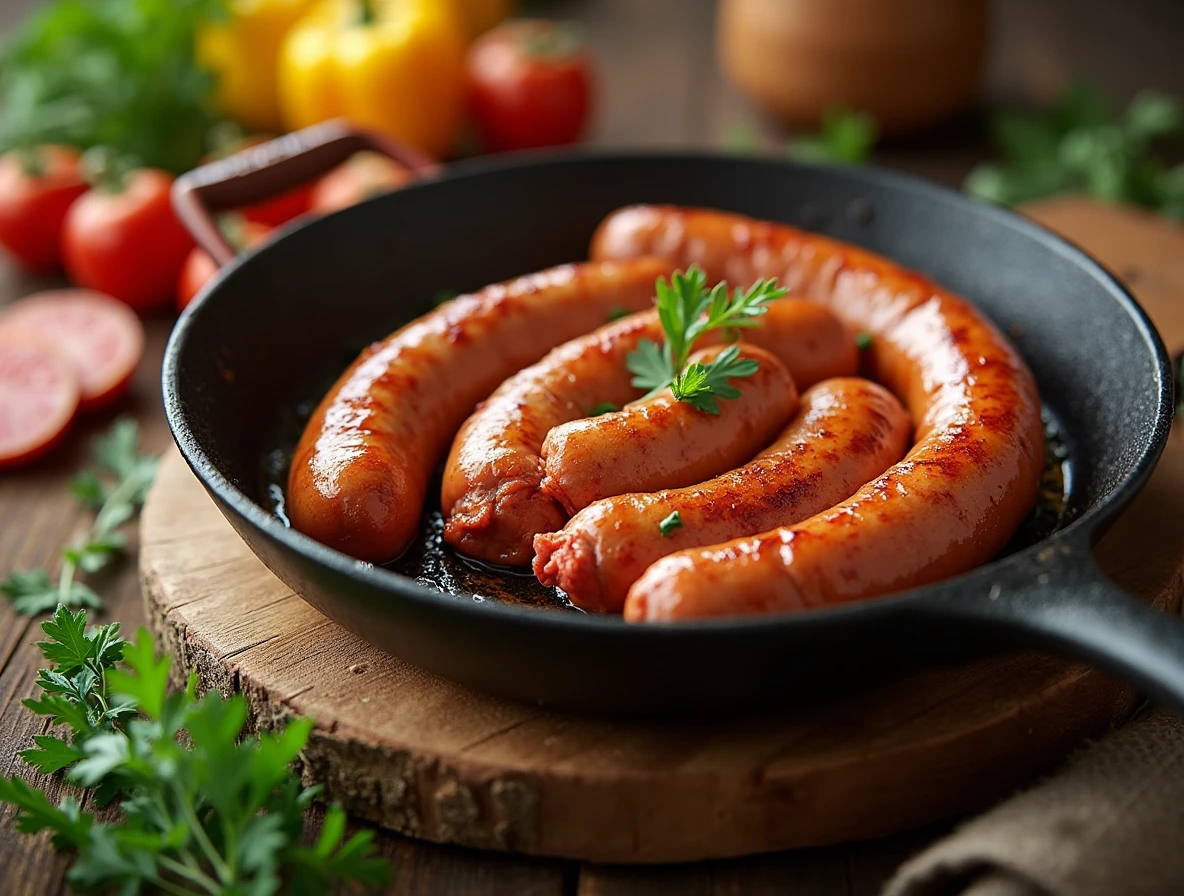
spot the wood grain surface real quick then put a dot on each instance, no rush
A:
(431, 759)
(659, 88)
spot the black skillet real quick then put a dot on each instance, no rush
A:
(276, 321)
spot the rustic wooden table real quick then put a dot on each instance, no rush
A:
(660, 88)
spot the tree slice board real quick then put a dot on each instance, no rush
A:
(432, 759)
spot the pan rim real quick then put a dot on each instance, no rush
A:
(550, 622)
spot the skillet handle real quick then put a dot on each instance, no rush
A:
(1065, 604)
(259, 172)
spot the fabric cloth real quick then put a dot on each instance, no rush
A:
(1111, 823)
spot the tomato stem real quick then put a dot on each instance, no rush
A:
(552, 40)
(32, 161)
(367, 14)
(104, 169)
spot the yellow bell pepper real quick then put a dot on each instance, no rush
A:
(242, 52)
(396, 66)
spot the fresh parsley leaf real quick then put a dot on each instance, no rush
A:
(617, 312)
(668, 525)
(701, 384)
(205, 808)
(70, 825)
(863, 340)
(115, 456)
(605, 407)
(33, 593)
(1078, 145)
(741, 138)
(116, 73)
(689, 310)
(845, 137)
(651, 366)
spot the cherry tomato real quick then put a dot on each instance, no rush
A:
(530, 84)
(200, 268)
(362, 175)
(38, 396)
(126, 241)
(37, 188)
(101, 336)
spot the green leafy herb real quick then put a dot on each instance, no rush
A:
(205, 809)
(668, 525)
(1078, 145)
(116, 488)
(114, 73)
(741, 138)
(688, 310)
(442, 296)
(617, 312)
(700, 384)
(846, 137)
(605, 407)
(863, 340)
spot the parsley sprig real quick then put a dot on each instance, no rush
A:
(115, 488)
(1079, 145)
(689, 310)
(205, 809)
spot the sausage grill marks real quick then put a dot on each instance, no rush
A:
(361, 469)
(491, 496)
(950, 505)
(847, 432)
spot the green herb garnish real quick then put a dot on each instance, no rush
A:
(668, 525)
(116, 73)
(845, 137)
(1078, 145)
(689, 310)
(204, 809)
(863, 340)
(617, 312)
(116, 489)
(605, 407)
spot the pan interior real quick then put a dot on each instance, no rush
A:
(279, 324)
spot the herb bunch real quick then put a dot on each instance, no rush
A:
(204, 810)
(844, 137)
(1080, 145)
(689, 310)
(114, 73)
(115, 488)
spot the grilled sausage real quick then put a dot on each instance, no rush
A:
(491, 499)
(950, 505)
(661, 442)
(363, 464)
(847, 432)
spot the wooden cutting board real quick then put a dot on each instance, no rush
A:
(431, 759)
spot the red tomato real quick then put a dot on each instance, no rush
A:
(34, 202)
(200, 267)
(362, 175)
(127, 242)
(278, 209)
(530, 84)
(38, 397)
(101, 336)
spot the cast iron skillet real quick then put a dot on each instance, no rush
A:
(273, 317)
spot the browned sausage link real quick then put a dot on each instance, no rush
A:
(847, 432)
(491, 499)
(662, 442)
(950, 505)
(490, 495)
(362, 467)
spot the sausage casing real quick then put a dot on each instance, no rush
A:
(846, 432)
(362, 467)
(950, 505)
